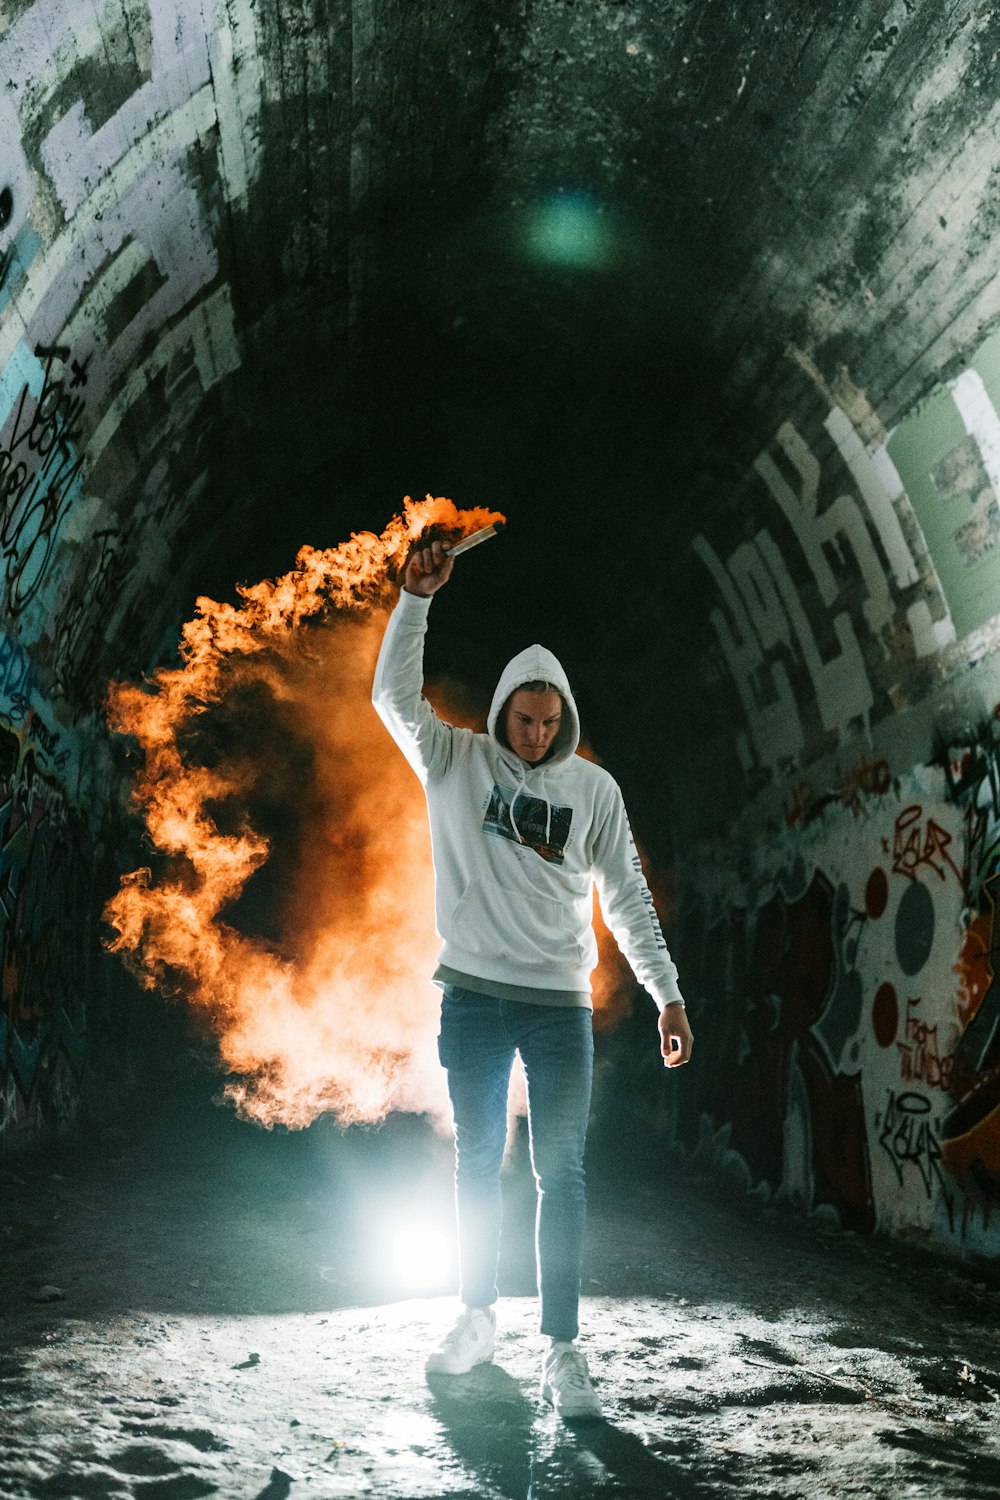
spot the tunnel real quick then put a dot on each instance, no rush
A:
(702, 300)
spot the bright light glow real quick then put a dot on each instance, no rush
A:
(421, 1255)
(568, 229)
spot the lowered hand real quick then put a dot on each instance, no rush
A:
(675, 1036)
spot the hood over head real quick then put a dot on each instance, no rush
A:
(537, 664)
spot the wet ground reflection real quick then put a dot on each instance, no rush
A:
(490, 1425)
(525, 1452)
(224, 1326)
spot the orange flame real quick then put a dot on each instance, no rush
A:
(272, 705)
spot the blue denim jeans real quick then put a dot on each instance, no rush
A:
(479, 1036)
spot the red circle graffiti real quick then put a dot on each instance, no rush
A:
(885, 1015)
(876, 893)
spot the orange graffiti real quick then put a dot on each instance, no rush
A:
(974, 966)
(865, 779)
(804, 804)
(972, 1152)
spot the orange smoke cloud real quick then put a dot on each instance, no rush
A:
(277, 801)
(271, 709)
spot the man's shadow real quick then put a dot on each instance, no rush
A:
(518, 1446)
(489, 1423)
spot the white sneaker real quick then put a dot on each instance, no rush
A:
(566, 1383)
(471, 1342)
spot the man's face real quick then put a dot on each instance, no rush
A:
(533, 721)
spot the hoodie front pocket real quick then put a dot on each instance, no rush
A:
(526, 929)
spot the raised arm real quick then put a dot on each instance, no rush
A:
(397, 692)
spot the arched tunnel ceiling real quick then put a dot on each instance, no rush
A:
(704, 297)
(582, 261)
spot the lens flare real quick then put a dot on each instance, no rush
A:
(568, 230)
(420, 1255)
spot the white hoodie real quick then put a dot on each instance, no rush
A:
(517, 848)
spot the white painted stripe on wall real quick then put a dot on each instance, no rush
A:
(90, 314)
(209, 329)
(238, 82)
(179, 130)
(981, 422)
(875, 476)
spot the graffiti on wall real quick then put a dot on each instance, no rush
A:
(867, 777)
(878, 554)
(46, 909)
(908, 1134)
(120, 142)
(790, 1095)
(971, 1128)
(40, 466)
(866, 571)
(853, 1005)
(113, 316)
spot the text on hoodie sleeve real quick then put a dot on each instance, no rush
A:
(627, 906)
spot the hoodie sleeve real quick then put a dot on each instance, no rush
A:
(627, 907)
(397, 691)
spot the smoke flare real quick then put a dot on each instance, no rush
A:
(271, 709)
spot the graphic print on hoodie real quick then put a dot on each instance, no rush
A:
(513, 814)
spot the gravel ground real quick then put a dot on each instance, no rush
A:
(221, 1323)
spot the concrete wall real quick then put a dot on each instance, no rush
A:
(121, 126)
(841, 932)
(197, 198)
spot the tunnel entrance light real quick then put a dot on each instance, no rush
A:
(420, 1255)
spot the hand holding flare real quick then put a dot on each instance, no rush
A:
(429, 568)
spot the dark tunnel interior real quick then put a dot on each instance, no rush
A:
(702, 298)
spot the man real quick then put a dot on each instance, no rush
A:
(521, 829)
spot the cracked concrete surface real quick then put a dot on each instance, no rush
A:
(221, 1324)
